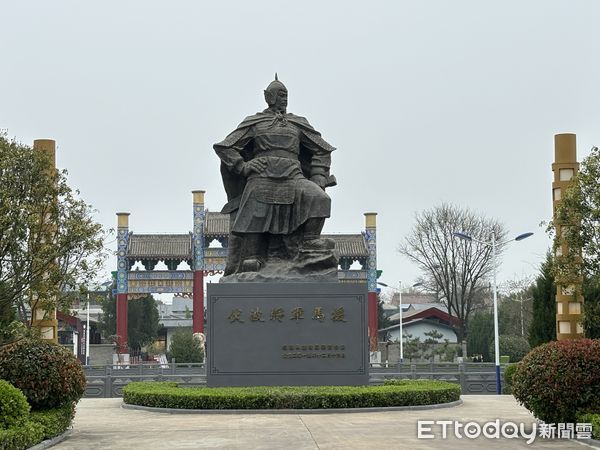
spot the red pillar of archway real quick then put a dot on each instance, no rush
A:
(122, 323)
(373, 325)
(198, 302)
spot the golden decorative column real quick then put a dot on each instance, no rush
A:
(569, 300)
(42, 319)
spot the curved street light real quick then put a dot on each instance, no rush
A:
(493, 245)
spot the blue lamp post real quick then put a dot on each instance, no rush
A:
(493, 245)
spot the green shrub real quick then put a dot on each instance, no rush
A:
(559, 379)
(48, 374)
(515, 347)
(21, 437)
(185, 347)
(508, 377)
(592, 418)
(393, 393)
(54, 421)
(14, 408)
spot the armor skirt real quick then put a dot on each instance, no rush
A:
(279, 206)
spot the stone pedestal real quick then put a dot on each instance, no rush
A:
(267, 334)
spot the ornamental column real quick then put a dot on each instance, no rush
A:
(44, 320)
(198, 263)
(569, 300)
(371, 238)
(122, 287)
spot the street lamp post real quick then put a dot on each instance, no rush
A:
(401, 338)
(400, 320)
(494, 245)
(87, 333)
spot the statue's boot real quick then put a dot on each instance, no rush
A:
(233, 254)
(319, 244)
(254, 252)
(312, 240)
(251, 265)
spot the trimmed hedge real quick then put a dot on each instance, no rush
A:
(21, 437)
(594, 419)
(560, 379)
(54, 421)
(14, 409)
(37, 426)
(48, 374)
(393, 393)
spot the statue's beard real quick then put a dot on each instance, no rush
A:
(281, 109)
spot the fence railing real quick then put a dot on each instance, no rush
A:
(474, 378)
(109, 381)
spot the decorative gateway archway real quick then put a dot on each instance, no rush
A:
(193, 249)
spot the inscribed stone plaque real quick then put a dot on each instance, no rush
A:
(266, 334)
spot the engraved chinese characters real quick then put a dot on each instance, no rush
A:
(278, 314)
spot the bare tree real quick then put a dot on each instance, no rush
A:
(455, 270)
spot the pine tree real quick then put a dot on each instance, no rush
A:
(143, 321)
(185, 347)
(591, 308)
(543, 324)
(481, 333)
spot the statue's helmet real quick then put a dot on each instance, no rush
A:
(272, 89)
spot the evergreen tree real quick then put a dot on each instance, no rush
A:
(142, 320)
(481, 334)
(543, 324)
(591, 308)
(412, 346)
(185, 347)
(7, 317)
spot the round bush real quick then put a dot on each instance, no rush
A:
(516, 347)
(557, 380)
(48, 374)
(14, 409)
(509, 372)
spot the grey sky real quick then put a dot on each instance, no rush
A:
(426, 101)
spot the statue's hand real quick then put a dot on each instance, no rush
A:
(320, 180)
(256, 165)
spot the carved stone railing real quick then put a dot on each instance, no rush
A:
(109, 381)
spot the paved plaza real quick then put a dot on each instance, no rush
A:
(103, 424)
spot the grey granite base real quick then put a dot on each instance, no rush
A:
(283, 334)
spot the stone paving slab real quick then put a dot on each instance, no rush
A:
(103, 424)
